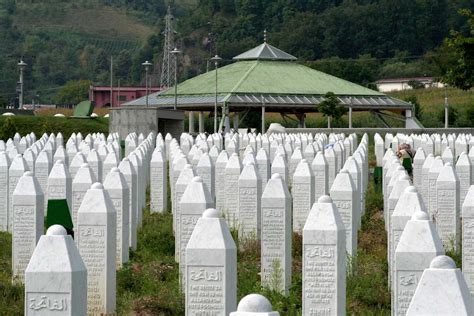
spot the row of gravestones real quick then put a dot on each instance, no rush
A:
(435, 144)
(267, 215)
(278, 185)
(104, 217)
(93, 240)
(416, 234)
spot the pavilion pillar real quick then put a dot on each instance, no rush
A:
(236, 121)
(301, 120)
(201, 122)
(350, 116)
(263, 118)
(191, 122)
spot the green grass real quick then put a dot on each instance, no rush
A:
(41, 124)
(11, 296)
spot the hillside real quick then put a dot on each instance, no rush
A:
(361, 41)
(91, 22)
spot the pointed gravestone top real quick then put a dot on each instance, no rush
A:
(442, 290)
(447, 173)
(56, 271)
(421, 229)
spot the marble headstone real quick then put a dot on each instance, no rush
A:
(56, 277)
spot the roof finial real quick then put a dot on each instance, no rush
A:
(265, 36)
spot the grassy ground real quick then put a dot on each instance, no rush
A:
(148, 284)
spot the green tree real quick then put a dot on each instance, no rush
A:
(330, 108)
(461, 73)
(73, 92)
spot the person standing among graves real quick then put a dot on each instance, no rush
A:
(405, 154)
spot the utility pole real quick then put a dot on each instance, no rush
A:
(147, 66)
(216, 60)
(22, 66)
(167, 65)
(446, 108)
(175, 52)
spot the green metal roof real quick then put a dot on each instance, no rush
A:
(269, 77)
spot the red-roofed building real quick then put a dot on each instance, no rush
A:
(101, 95)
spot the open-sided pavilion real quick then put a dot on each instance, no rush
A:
(269, 79)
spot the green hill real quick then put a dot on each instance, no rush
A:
(360, 41)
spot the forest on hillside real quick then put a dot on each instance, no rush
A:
(358, 40)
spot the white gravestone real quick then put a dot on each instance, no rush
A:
(96, 241)
(276, 235)
(109, 163)
(82, 182)
(128, 171)
(331, 158)
(28, 222)
(468, 238)
(42, 168)
(61, 154)
(425, 180)
(133, 157)
(60, 184)
(254, 305)
(419, 244)
(249, 203)
(232, 174)
(280, 166)
(344, 196)
(205, 170)
(302, 192)
(95, 162)
(30, 158)
(433, 174)
(441, 291)
(418, 161)
(463, 170)
(4, 192)
(76, 163)
(158, 182)
(447, 212)
(294, 161)
(324, 261)
(185, 177)
(211, 267)
(355, 171)
(119, 193)
(56, 277)
(409, 202)
(195, 200)
(263, 166)
(320, 170)
(448, 156)
(221, 163)
(399, 187)
(17, 169)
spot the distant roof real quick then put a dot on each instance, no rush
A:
(265, 52)
(125, 88)
(387, 80)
